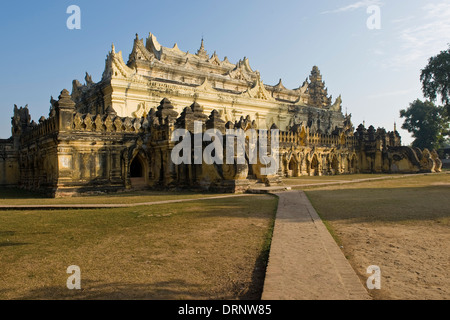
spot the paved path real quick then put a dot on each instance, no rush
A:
(305, 262)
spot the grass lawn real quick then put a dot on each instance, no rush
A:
(401, 225)
(208, 249)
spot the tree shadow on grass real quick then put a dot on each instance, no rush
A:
(12, 244)
(8, 243)
(97, 290)
(7, 233)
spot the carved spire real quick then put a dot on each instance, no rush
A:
(65, 100)
(186, 119)
(166, 112)
(53, 103)
(318, 95)
(21, 120)
(88, 79)
(202, 53)
(198, 112)
(215, 121)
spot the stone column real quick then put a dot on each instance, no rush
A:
(65, 108)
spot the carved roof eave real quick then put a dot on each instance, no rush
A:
(205, 87)
(214, 62)
(174, 50)
(227, 63)
(301, 90)
(282, 89)
(206, 91)
(139, 49)
(127, 76)
(238, 99)
(189, 69)
(279, 86)
(115, 67)
(337, 105)
(152, 45)
(215, 59)
(259, 91)
(297, 94)
(121, 66)
(246, 64)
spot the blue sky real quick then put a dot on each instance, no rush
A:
(376, 71)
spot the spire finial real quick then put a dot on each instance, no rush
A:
(113, 48)
(202, 52)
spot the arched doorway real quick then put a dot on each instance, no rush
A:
(136, 170)
(137, 173)
(335, 165)
(314, 166)
(293, 168)
(352, 168)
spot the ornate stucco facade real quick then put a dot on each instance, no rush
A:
(116, 134)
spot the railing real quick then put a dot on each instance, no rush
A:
(109, 123)
(45, 127)
(316, 139)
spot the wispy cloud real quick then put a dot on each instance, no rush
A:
(424, 37)
(354, 6)
(402, 20)
(390, 94)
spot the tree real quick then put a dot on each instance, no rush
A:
(435, 78)
(429, 123)
(425, 121)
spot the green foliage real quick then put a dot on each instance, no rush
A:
(435, 77)
(427, 122)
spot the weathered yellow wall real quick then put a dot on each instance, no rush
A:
(9, 172)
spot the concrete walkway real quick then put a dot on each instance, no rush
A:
(305, 262)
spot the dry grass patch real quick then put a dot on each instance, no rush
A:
(209, 249)
(401, 225)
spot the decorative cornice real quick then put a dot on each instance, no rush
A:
(258, 91)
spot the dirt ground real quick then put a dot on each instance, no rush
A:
(400, 225)
(208, 249)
